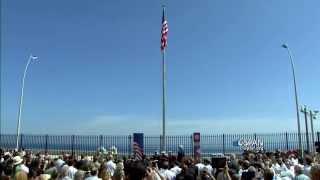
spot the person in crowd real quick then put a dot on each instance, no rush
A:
(180, 153)
(315, 172)
(79, 175)
(186, 171)
(307, 165)
(205, 174)
(71, 170)
(119, 171)
(7, 171)
(250, 174)
(268, 174)
(208, 167)
(165, 172)
(199, 166)
(298, 170)
(21, 175)
(176, 168)
(248, 166)
(224, 174)
(93, 173)
(63, 174)
(110, 165)
(244, 167)
(19, 165)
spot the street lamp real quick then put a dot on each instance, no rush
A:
(31, 58)
(313, 116)
(304, 110)
(296, 96)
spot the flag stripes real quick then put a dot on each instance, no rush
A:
(164, 31)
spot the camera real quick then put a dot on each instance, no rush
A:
(317, 144)
(219, 162)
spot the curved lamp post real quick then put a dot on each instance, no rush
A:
(296, 96)
(31, 58)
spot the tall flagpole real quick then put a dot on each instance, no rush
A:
(163, 101)
(164, 31)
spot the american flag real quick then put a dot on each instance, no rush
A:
(138, 151)
(164, 31)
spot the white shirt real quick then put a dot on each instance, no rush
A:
(280, 169)
(110, 166)
(24, 168)
(209, 168)
(307, 170)
(176, 170)
(92, 178)
(156, 176)
(66, 178)
(71, 172)
(301, 177)
(275, 177)
(276, 167)
(286, 178)
(167, 174)
(287, 174)
(245, 170)
(200, 166)
(294, 161)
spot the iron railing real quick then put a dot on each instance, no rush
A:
(88, 144)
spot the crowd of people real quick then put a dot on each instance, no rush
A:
(26, 165)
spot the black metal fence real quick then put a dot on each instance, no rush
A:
(219, 143)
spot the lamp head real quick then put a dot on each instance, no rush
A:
(285, 46)
(34, 57)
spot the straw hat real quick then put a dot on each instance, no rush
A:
(17, 160)
(45, 176)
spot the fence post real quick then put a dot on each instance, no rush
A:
(100, 141)
(130, 145)
(255, 140)
(21, 137)
(223, 144)
(287, 142)
(72, 145)
(192, 145)
(161, 142)
(46, 143)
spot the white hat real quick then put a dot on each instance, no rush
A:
(22, 153)
(25, 168)
(17, 160)
(45, 176)
(58, 163)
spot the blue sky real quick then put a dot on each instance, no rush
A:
(100, 65)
